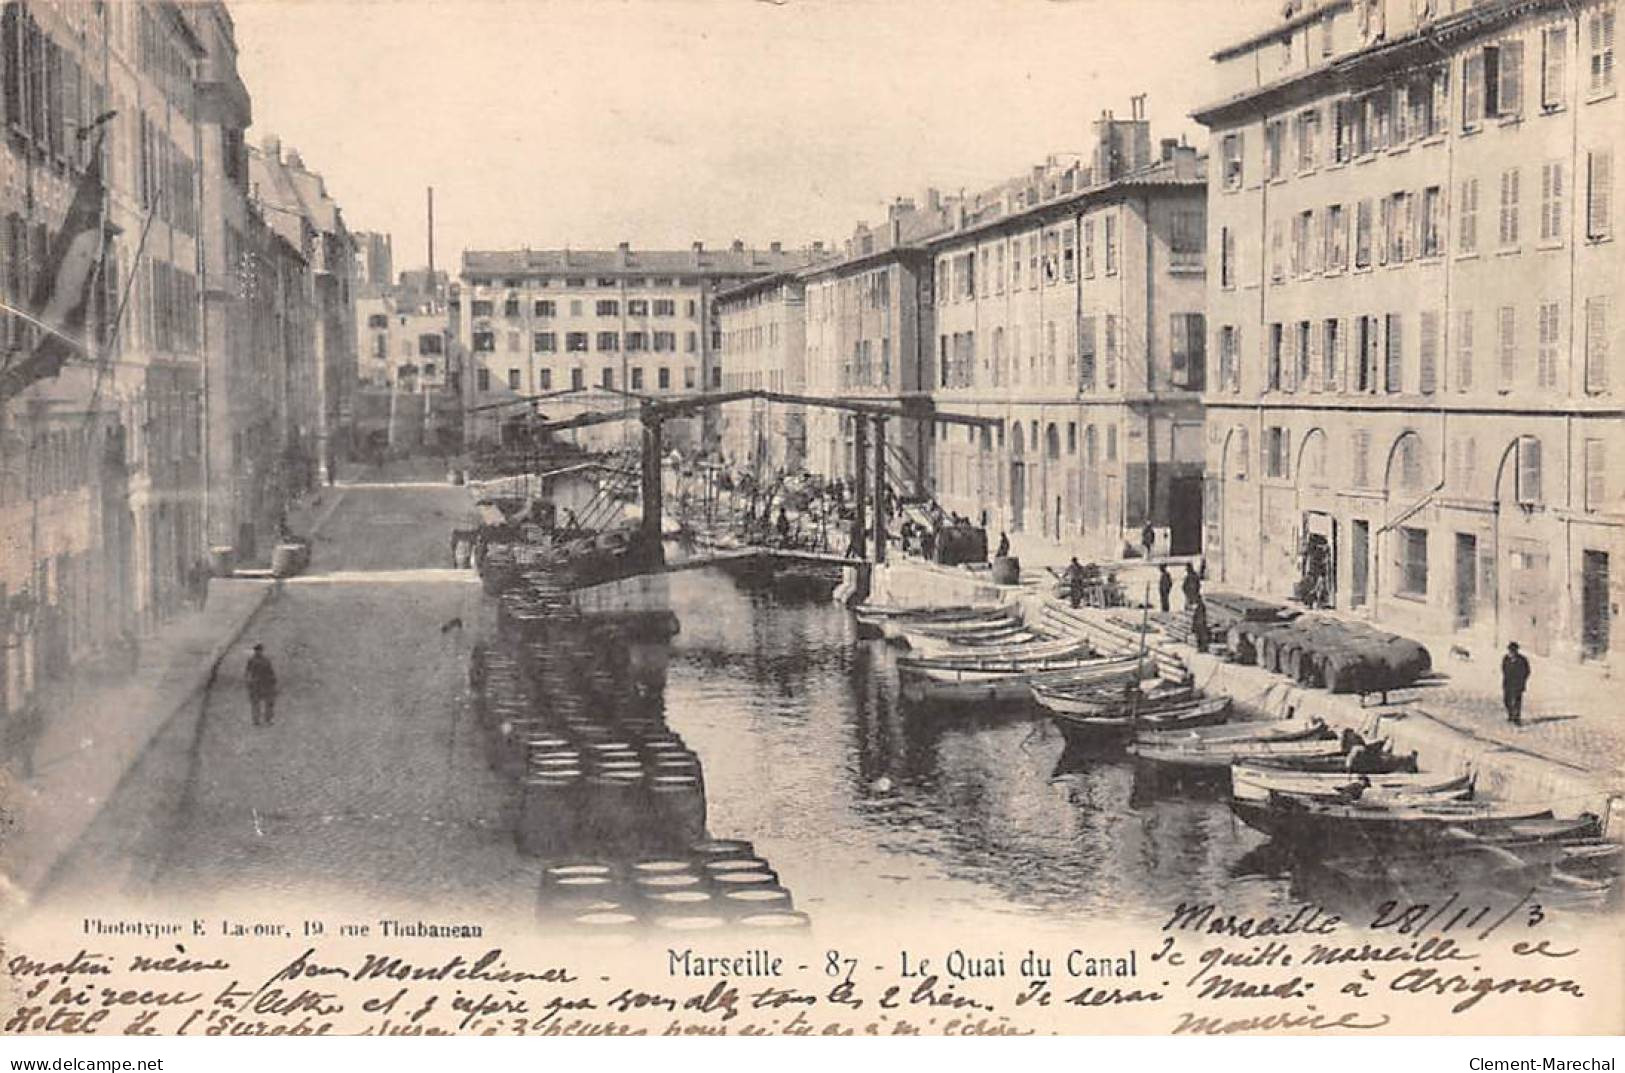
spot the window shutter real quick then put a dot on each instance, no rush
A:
(1394, 373)
(1511, 90)
(1509, 350)
(1596, 356)
(1599, 193)
(1472, 88)
(1529, 490)
(1596, 490)
(1086, 352)
(1554, 72)
(1342, 359)
(1315, 380)
(1464, 352)
(1427, 356)
(1178, 355)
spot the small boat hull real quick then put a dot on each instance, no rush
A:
(1301, 823)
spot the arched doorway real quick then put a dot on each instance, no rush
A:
(1018, 476)
(1232, 506)
(1405, 540)
(1091, 479)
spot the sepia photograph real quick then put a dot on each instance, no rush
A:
(811, 517)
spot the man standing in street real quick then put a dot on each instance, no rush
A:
(1165, 585)
(1514, 680)
(1148, 537)
(261, 687)
(1191, 587)
(1074, 581)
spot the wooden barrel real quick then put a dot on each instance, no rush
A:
(1006, 570)
(286, 560)
(222, 561)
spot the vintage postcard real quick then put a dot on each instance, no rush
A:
(811, 517)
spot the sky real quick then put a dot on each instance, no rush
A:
(584, 123)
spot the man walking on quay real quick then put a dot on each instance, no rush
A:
(1514, 680)
(1074, 581)
(261, 687)
(1165, 585)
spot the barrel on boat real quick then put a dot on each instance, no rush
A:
(549, 813)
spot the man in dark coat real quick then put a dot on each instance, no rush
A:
(1165, 585)
(1514, 680)
(261, 687)
(1004, 546)
(1200, 632)
(1148, 537)
(1191, 586)
(1074, 581)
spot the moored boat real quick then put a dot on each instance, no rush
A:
(1006, 659)
(1096, 702)
(1195, 712)
(1013, 682)
(1217, 756)
(1255, 782)
(1303, 822)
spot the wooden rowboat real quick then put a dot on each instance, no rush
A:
(1094, 702)
(1217, 756)
(1252, 782)
(1013, 659)
(1302, 822)
(984, 684)
(1080, 730)
(1240, 733)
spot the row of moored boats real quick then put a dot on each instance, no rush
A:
(1297, 780)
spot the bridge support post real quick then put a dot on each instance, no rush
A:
(649, 527)
(880, 490)
(860, 475)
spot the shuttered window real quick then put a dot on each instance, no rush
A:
(1509, 207)
(1509, 347)
(1553, 71)
(1529, 490)
(1394, 366)
(1546, 370)
(1596, 477)
(1596, 342)
(1467, 226)
(1464, 351)
(1086, 353)
(1427, 354)
(1551, 202)
(1599, 193)
(1509, 101)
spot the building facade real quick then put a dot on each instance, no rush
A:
(410, 391)
(764, 342)
(868, 313)
(102, 478)
(592, 325)
(1069, 304)
(1414, 307)
(294, 201)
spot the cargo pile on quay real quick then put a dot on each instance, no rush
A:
(612, 800)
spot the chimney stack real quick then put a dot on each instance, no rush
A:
(738, 246)
(776, 247)
(1168, 147)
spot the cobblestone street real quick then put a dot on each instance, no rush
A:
(371, 783)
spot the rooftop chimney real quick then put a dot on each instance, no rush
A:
(818, 245)
(1168, 147)
(272, 146)
(738, 246)
(776, 247)
(698, 248)
(623, 253)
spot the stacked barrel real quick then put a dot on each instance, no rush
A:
(611, 798)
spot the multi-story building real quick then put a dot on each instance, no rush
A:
(593, 323)
(295, 202)
(409, 394)
(102, 483)
(374, 263)
(868, 313)
(764, 340)
(1069, 304)
(1414, 301)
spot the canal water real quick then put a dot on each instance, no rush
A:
(868, 805)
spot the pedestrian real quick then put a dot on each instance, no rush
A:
(1191, 587)
(1004, 546)
(1514, 680)
(1199, 626)
(261, 687)
(1074, 581)
(1148, 537)
(783, 526)
(1165, 585)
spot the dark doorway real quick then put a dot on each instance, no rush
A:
(1466, 579)
(1018, 494)
(1185, 516)
(1359, 561)
(1595, 613)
